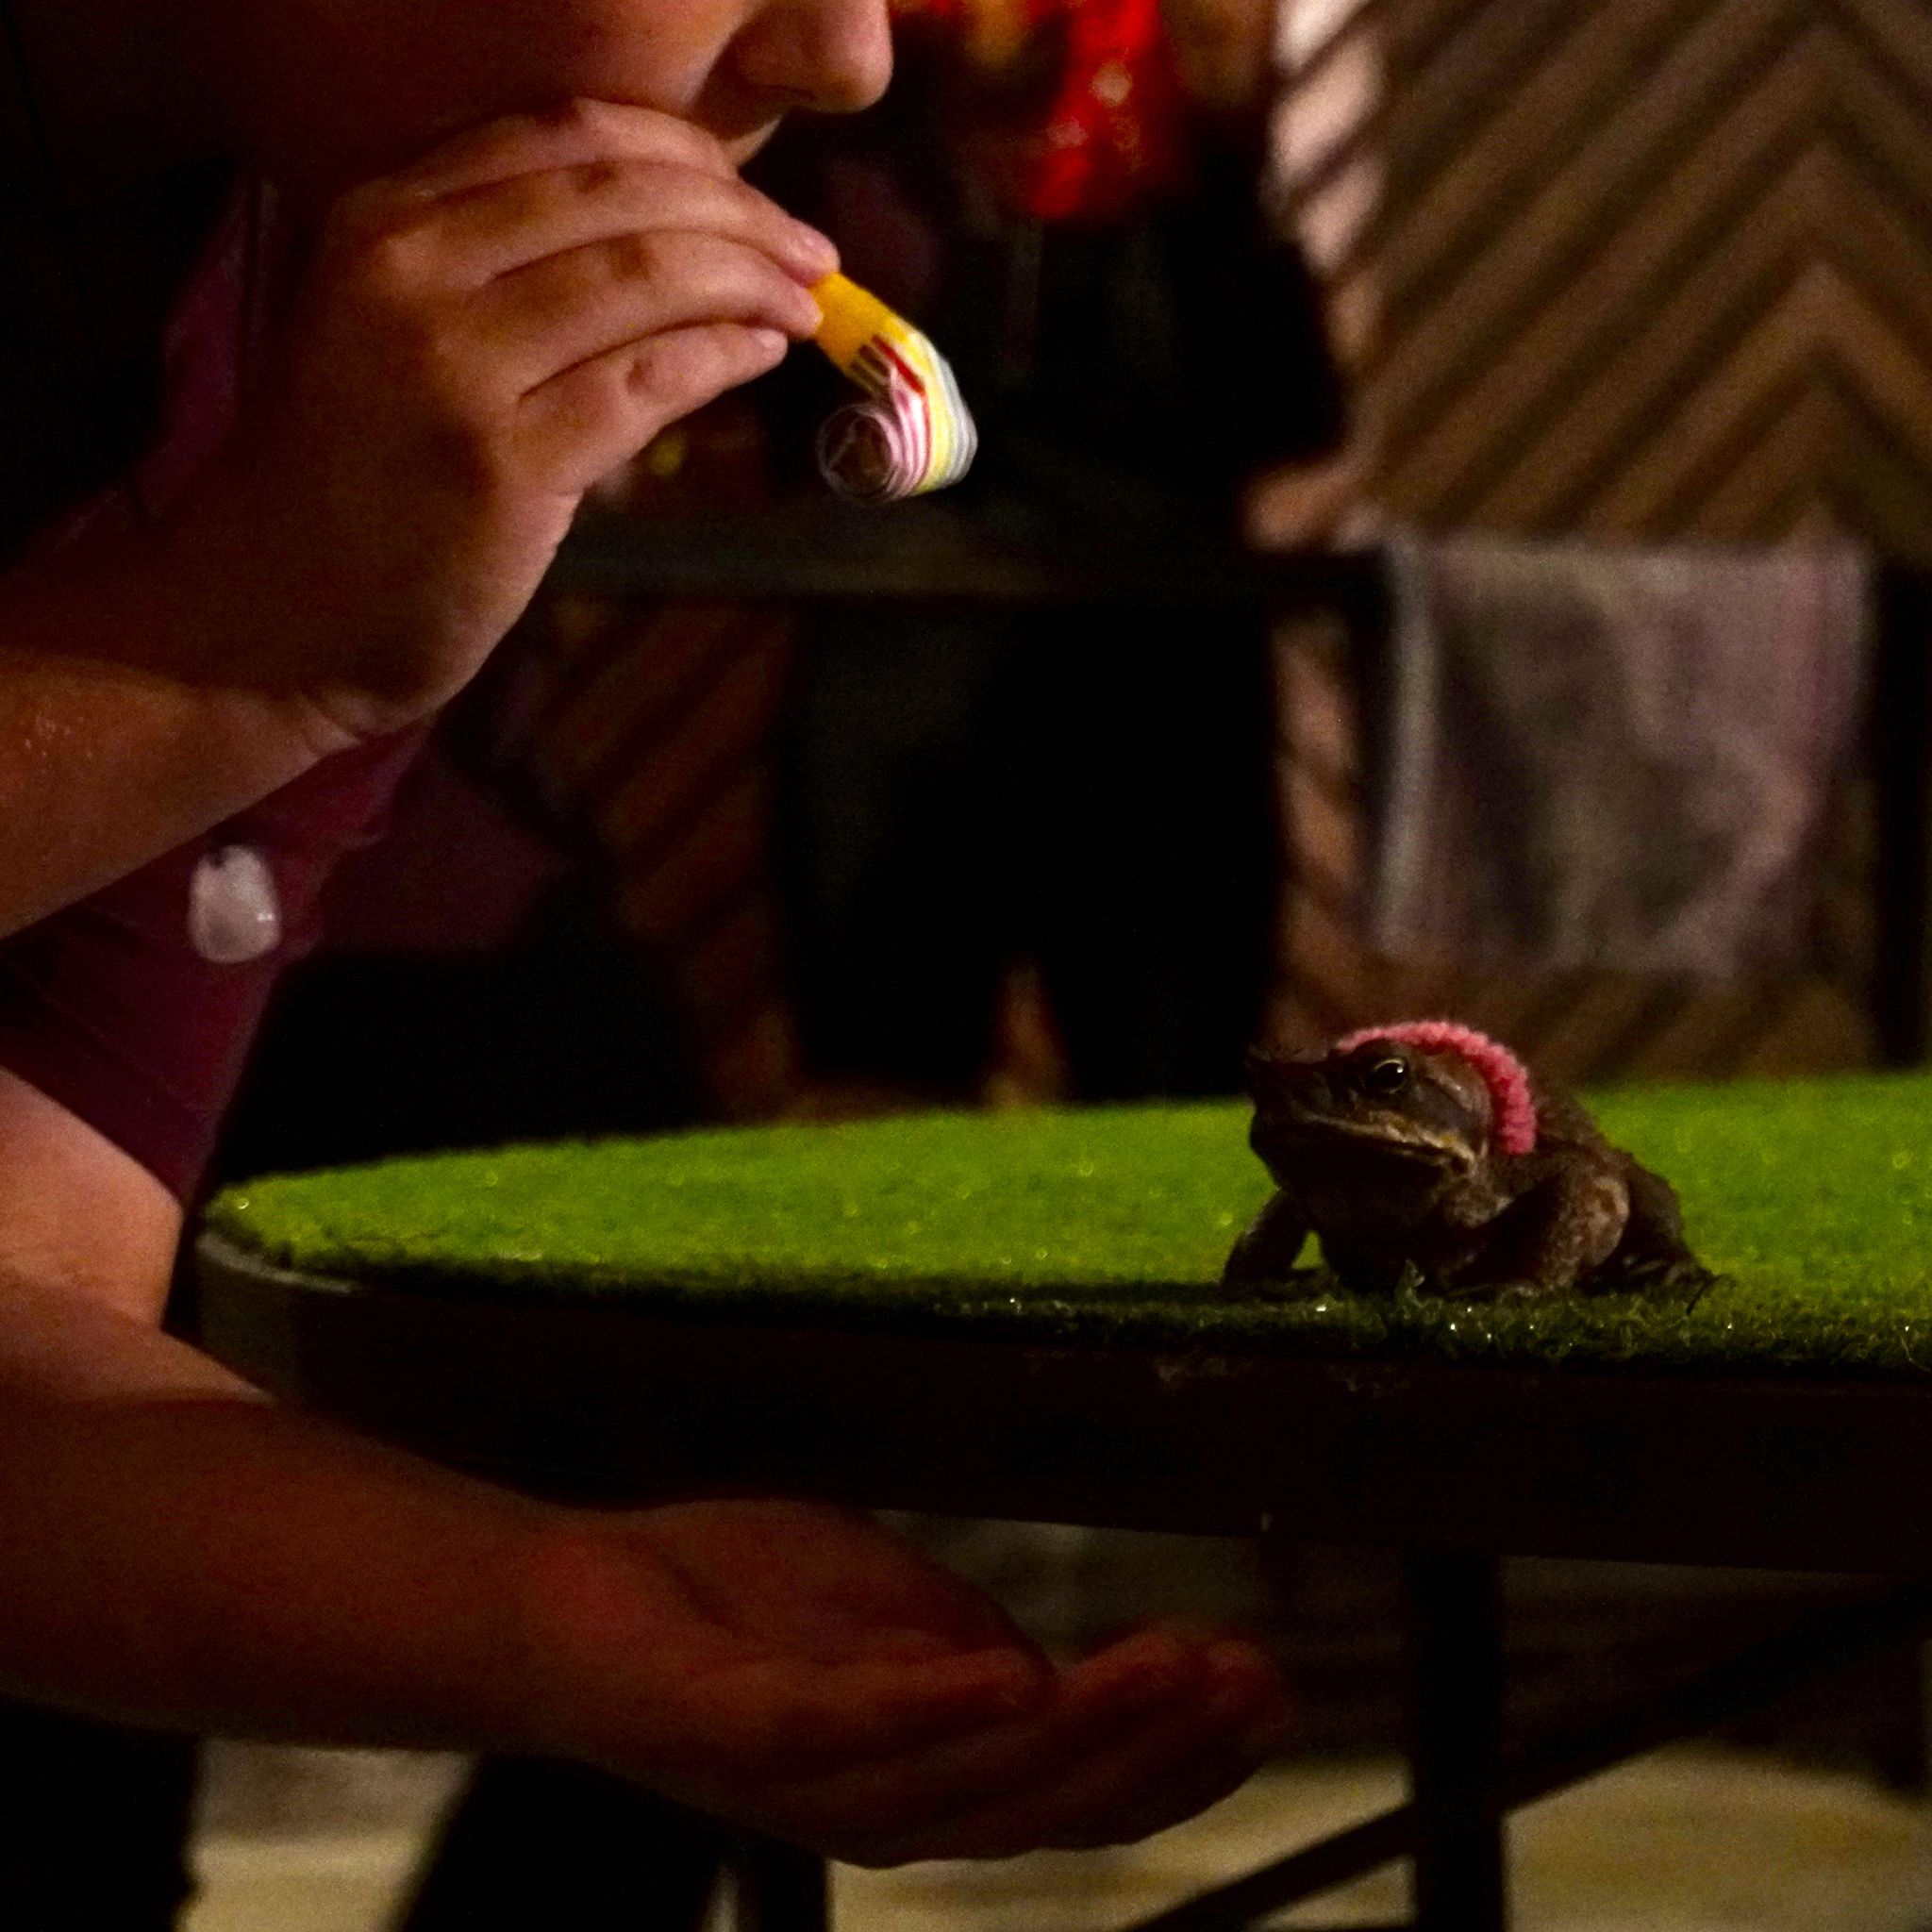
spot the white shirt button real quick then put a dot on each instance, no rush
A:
(234, 914)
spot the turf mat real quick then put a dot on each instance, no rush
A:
(1813, 1199)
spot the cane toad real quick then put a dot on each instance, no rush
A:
(1428, 1151)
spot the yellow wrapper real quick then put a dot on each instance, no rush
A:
(852, 317)
(917, 433)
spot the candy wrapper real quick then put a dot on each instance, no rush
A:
(913, 433)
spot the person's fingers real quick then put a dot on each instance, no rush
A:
(1184, 1790)
(1136, 1684)
(545, 320)
(1144, 1777)
(777, 1722)
(582, 426)
(506, 225)
(1249, 1721)
(569, 135)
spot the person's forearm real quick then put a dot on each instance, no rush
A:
(104, 761)
(177, 1551)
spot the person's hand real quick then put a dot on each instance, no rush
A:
(801, 1671)
(476, 341)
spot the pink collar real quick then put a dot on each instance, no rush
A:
(1502, 1073)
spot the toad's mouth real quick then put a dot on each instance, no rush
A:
(1306, 1135)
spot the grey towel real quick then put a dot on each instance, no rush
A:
(1607, 757)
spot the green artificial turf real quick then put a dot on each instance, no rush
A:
(1813, 1199)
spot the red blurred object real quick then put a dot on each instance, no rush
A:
(1114, 135)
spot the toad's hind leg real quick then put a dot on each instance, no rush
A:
(1654, 1251)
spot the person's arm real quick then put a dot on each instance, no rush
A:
(104, 764)
(475, 341)
(177, 1550)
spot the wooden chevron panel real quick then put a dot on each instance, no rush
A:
(1652, 268)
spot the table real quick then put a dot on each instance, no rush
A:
(563, 1369)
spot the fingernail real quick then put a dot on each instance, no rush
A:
(811, 316)
(818, 253)
(775, 342)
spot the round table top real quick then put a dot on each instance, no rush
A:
(1018, 1315)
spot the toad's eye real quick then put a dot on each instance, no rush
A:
(1388, 1074)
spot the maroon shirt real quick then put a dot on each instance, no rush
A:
(107, 1007)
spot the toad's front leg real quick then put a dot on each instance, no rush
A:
(1264, 1258)
(1550, 1239)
